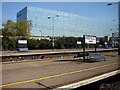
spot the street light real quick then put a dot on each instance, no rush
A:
(113, 35)
(118, 23)
(40, 32)
(53, 30)
(112, 39)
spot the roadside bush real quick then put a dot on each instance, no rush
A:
(5, 44)
(69, 42)
(9, 44)
(60, 43)
(45, 44)
(12, 44)
(33, 44)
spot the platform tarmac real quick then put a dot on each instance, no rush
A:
(50, 74)
(50, 51)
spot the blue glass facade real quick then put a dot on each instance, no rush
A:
(66, 24)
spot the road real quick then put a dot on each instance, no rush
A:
(54, 73)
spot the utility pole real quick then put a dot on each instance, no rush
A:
(118, 24)
(53, 34)
(119, 27)
(53, 31)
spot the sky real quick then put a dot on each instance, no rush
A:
(97, 10)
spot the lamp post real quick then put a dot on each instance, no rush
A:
(118, 24)
(112, 39)
(53, 31)
(40, 32)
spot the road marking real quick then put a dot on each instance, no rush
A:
(53, 76)
(89, 80)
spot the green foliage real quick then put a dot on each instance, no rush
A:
(12, 46)
(61, 43)
(33, 44)
(9, 44)
(45, 44)
(39, 44)
(21, 28)
(70, 43)
(66, 43)
(9, 29)
(5, 44)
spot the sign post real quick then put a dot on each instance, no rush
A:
(79, 43)
(88, 39)
(95, 48)
(83, 48)
(22, 45)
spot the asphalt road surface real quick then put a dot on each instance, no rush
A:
(53, 73)
(30, 52)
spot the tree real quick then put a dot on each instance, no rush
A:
(45, 44)
(9, 29)
(20, 28)
(59, 44)
(68, 42)
(23, 28)
(29, 27)
(12, 29)
(33, 44)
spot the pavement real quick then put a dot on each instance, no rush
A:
(49, 51)
(54, 73)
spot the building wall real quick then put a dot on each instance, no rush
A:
(66, 24)
(39, 38)
(22, 14)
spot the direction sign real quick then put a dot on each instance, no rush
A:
(22, 41)
(78, 42)
(89, 39)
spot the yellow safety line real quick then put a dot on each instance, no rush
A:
(53, 76)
